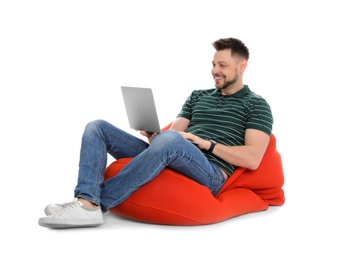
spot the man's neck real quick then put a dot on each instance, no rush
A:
(234, 88)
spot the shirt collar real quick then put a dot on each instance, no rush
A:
(240, 93)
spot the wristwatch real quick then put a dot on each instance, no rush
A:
(211, 148)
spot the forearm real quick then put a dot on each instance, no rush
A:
(248, 155)
(180, 124)
(242, 156)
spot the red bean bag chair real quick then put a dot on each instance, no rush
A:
(174, 199)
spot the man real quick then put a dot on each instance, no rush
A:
(216, 131)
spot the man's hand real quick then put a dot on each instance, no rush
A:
(199, 142)
(150, 136)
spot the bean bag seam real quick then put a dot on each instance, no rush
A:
(162, 210)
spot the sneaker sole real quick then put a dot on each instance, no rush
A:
(80, 224)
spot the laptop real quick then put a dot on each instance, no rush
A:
(140, 109)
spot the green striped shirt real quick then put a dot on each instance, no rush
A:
(224, 118)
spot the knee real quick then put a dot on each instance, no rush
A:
(94, 126)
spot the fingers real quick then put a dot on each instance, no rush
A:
(142, 132)
(147, 134)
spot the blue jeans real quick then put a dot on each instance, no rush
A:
(168, 149)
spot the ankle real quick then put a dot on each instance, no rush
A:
(87, 203)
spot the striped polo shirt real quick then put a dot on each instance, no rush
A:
(224, 118)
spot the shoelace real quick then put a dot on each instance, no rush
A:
(69, 206)
(66, 204)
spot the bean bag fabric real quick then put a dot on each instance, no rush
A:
(174, 199)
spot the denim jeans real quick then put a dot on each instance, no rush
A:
(168, 149)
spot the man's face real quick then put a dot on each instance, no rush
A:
(225, 69)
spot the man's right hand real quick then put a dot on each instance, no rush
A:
(149, 135)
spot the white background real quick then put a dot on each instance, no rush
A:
(62, 64)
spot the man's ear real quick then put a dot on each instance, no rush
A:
(242, 66)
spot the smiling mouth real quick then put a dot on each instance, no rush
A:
(217, 79)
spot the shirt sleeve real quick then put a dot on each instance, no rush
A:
(186, 110)
(261, 117)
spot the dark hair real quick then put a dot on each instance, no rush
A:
(236, 46)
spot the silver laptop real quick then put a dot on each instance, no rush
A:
(140, 109)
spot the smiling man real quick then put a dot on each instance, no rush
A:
(217, 130)
(229, 65)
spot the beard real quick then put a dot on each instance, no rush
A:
(230, 82)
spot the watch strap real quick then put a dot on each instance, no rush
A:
(212, 146)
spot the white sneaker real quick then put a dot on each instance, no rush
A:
(73, 214)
